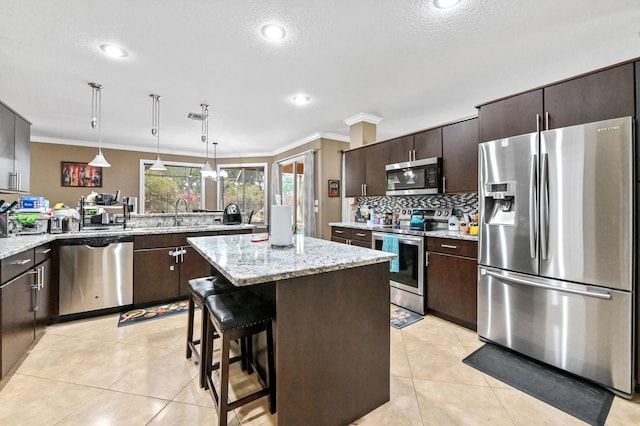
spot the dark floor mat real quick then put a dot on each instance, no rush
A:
(574, 396)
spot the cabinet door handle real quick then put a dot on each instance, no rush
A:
(449, 246)
(426, 258)
(365, 189)
(547, 119)
(359, 234)
(21, 262)
(538, 120)
(45, 251)
(444, 184)
(337, 231)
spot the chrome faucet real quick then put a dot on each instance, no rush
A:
(177, 219)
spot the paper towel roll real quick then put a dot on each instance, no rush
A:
(281, 225)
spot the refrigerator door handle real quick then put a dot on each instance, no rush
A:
(603, 294)
(533, 206)
(544, 206)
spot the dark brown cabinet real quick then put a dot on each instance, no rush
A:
(460, 156)
(425, 144)
(24, 302)
(600, 95)
(428, 144)
(15, 148)
(163, 265)
(401, 149)
(452, 280)
(364, 170)
(351, 236)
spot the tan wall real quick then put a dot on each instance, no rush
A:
(124, 174)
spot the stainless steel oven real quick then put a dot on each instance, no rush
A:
(408, 284)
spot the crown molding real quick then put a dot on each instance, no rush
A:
(363, 116)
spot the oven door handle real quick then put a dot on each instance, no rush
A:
(415, 241)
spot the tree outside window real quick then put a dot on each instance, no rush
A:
(245, 186)
(163, 187)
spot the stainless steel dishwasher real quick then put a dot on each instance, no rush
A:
(95, 273)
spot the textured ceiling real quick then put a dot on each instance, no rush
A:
(403, 60)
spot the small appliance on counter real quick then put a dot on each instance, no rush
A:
(232, 215)
(107, 199)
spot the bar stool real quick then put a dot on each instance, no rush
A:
(238, 315)
(199, 289)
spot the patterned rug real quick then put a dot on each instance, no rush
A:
(401, 317)
(135, 316)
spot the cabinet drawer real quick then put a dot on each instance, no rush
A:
(361, 235)
(160, 240)
(340, 232)
(42, 253)
(452, 246)
(15, 265)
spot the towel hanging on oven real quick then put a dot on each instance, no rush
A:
(391, 244)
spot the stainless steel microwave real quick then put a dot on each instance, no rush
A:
(415, 177)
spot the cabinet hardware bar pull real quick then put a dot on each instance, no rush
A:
(444, 184)
(21, 262)
(449, 246)
(338, 231)
(359, 234)
(45, 251)
(547, 118)
(426, 258)
(538, 119)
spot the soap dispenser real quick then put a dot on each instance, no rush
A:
(453, 224)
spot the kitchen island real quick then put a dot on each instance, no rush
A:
(331, 328)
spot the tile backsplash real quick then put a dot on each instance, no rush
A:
(461, 203)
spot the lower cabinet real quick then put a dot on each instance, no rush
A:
(452, 280)
(163, 265)
(352, 236)
(24, 302)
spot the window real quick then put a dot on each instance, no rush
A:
(292, 189)
(159, 189)
(245, 186)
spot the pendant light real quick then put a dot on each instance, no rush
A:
(96, 122)
(223, 173)
(155, 130)
(206, 171)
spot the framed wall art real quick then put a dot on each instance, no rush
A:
(80, 174)
(334, 188)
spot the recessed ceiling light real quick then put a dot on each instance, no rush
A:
(113, 50)
(445, 4)
(301, 99)
(273, 32)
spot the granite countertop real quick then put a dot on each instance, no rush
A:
(246, 262)
(387, 228)
(18, 243)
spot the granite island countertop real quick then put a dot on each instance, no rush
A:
(388, 228)
(15, 244)
(247, 262)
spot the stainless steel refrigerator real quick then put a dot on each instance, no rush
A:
(556, 248)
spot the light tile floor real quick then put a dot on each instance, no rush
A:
(91, 372)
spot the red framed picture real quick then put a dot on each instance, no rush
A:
(80, 174)
(334, 188)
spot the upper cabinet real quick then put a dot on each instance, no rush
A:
(593, 97)
(15, 145)
(401, 149)
(426, 144)
(364, 170)
(460, 156)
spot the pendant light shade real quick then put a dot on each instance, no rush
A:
(96, 123)
(155, 130)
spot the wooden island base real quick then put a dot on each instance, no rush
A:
(332, 345)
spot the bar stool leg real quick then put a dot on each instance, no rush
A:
(204, 346)
(272, 369)
(223, 400)
(190, 310)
